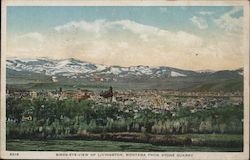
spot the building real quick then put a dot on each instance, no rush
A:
(80, 96)
(33, 94)
(54, 79)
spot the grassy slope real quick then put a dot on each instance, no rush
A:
(220, 85)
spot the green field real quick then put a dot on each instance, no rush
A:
(84, 145)
(185, 84)
(104, 145)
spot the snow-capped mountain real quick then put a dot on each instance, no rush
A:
(46, 66)
(73, 68)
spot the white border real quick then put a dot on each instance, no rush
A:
(123, 3)
(194, 155)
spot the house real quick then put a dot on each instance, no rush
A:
(54, 79)
(33, 94)
(62, 97)
(107, 94)
(27, 117)
(80, 96)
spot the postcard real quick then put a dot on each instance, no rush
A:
(124, 80)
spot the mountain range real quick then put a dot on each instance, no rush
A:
(76, 69)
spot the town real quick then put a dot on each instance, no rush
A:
(133, 101)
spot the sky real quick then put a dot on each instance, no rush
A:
(186, 37)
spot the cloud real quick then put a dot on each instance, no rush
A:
(129, 43)
(230, 23)
(199, 22)
(82, 25)
(135, 27)
(143, 32)
(31, 36)
(28, 44)
(123, 45)
(91, 27)
(206, 12)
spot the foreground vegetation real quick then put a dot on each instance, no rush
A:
(71, 119)
(54, 118)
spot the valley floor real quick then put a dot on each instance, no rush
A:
(110, 146)
(84, 145)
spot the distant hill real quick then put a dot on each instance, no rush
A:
(227, 85)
